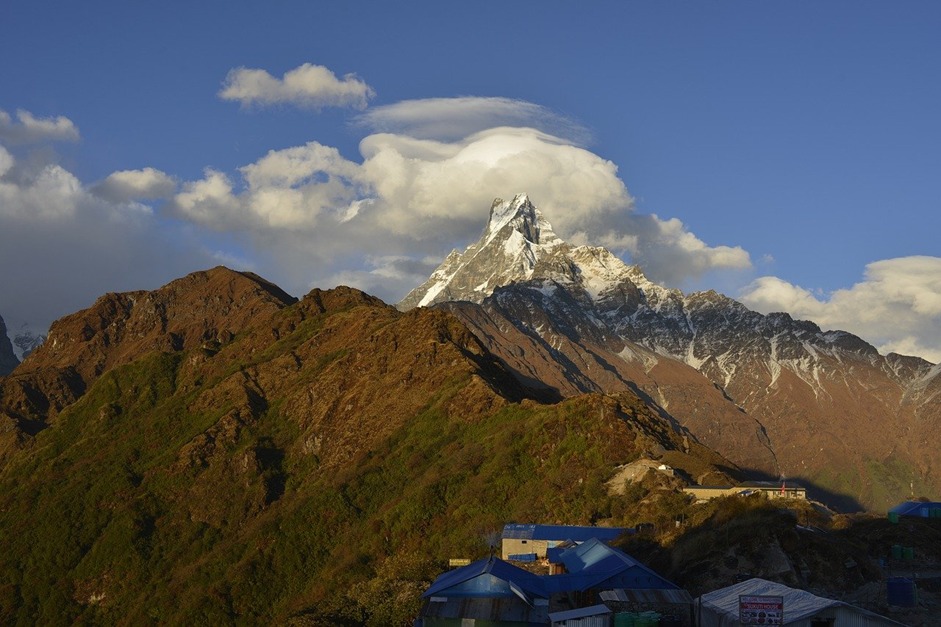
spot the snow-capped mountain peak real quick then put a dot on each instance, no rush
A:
(518, 244)
(25, 341)
(522, 216)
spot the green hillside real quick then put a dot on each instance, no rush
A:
(323, 474)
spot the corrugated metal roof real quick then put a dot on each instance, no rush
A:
(590, 565)
(581, 612)
(594, 564)
(799, 604)
(651, 595)
(488, 577)
(914, 508)
(518, 531)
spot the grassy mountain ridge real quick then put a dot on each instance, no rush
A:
(253, 459)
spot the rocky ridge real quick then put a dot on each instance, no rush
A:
(772, 393)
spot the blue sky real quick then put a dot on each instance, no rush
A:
(787, 154)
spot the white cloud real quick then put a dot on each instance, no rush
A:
(293, 166)
(6, 161)
(210, 201)
(62, 246)
(31, 129)
(420, 196)
(407, 194)
(379, 274)
(897, 305)
(429, 187)
(667, 251)
(449, 119)
(310, 86)
(126, 185)
(284, 190)
(44, 194)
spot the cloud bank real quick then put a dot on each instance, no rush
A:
(897, 305)
(63, 245)
(308, 86)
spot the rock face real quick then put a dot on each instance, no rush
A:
(773, 394)
(8, 360)
(202, 309)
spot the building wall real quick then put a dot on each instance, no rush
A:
(516, 546)
(588, 621)
(706, 494)
(789, 493)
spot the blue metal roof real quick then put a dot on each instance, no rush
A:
(561, 532)
(590, 565)
(489, 577)
(581, 612)
(594, 564)
(915, 508)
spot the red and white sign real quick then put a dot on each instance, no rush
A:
(760, 610)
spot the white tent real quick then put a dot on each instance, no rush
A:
(720, 608)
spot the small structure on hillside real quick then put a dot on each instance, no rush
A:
(771, 489)
(915, 509)
(726, 607)
(526, 542)
(489, 592)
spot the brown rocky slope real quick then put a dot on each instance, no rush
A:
(215, 451)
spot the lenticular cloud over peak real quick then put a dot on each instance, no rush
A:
(450, 119)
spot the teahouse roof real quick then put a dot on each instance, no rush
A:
(798, 604)
(489, 577)
(593, 564)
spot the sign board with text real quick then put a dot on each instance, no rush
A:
(761, 610)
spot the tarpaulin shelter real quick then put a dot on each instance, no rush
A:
(720, 608)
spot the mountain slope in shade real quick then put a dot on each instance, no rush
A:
(771, 393)
(8, 360)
